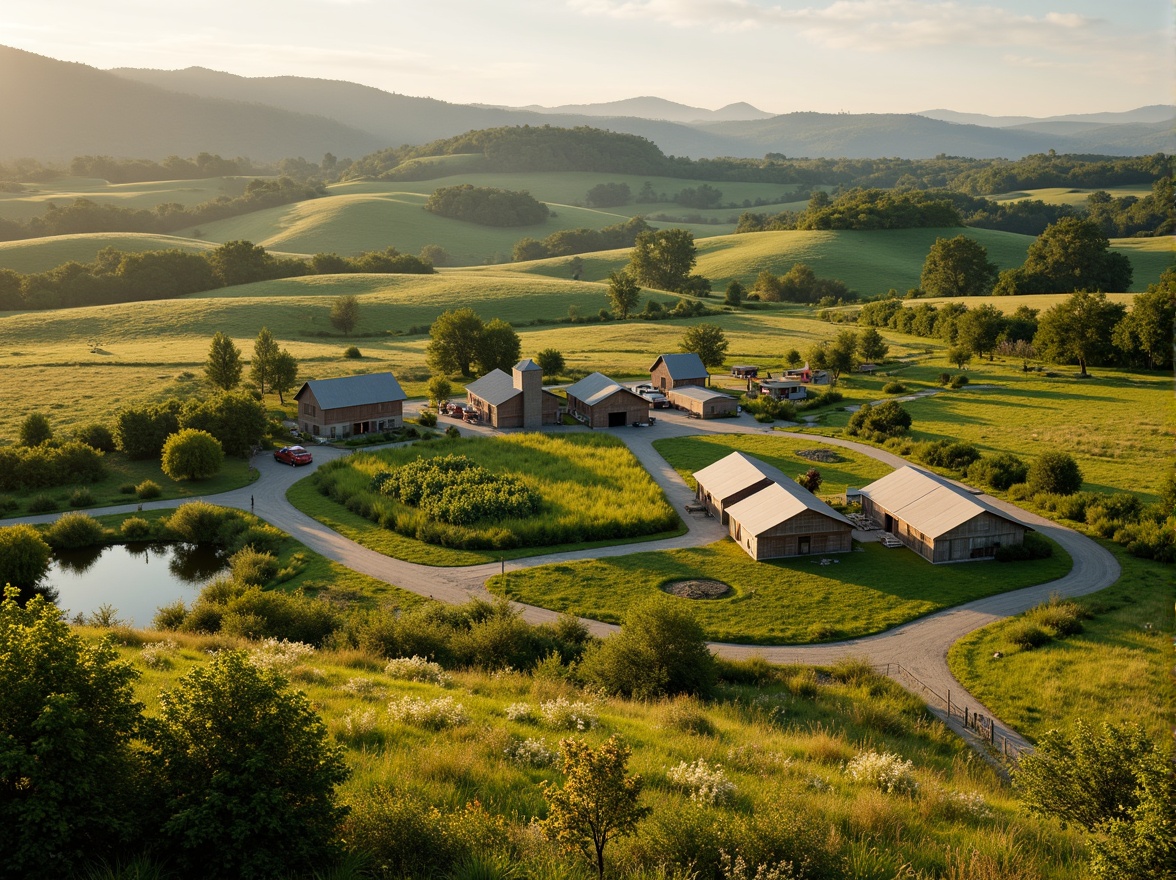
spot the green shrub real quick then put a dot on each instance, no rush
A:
(1055, 472)
(1026, 634)
(959, 380)
(42, 504)
(944, 379)
(126, 488)
(452, 432)
(402, 835)
(135, 528)
(894, 388)
(352, 352)
(191, 454)
(7, 505)
(148, 489)
(73, 530)
(1034, 546)
(199, 522)
(97, 436)
(81, 498)
(454, 490)
(878, 423)
(1059, 617)
(952, 455)
(998, 471)
(253, 567)
(427, 418)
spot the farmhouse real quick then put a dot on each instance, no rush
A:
(702, 403)
(675, 370)
(350, 405)
(786, 519)
(599, 402)
(783, 389)
(937, 519)
(516, 400)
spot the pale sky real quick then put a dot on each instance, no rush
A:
(1000, 57)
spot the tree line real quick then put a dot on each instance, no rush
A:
(116, 276)
(564, 242)
(86, 216)
(486, 205)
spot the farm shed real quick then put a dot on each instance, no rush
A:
(600, 402)
(703, 402)
(731, 479)
(785, 519)
(783, 389)
(939, 520)
(516, 400)
(350, 405)
(675, 370)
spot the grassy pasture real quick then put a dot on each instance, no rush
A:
(33, 201)
(794, 601)
(781, 744)
(1069, 196)
(1009, 304)
(42, 254)
(1124, 651)
(593, 492)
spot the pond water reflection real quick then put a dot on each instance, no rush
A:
(136, 579)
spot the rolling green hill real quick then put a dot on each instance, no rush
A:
(35, 198)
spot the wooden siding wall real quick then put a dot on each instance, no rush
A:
(983, 530)
(718, 506)
(825, 536)
(660, 379)
(636, 409)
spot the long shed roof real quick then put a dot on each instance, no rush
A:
(735, 473)
(697, 392)
(354, 390)
(597, 387)
(928, 502)
(777, 503)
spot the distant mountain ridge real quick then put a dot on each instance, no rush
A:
(56, 110)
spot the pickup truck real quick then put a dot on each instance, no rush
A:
(656, 399)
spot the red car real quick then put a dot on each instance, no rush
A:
(293, 456)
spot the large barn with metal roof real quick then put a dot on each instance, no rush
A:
(600, 402)
(939, 520)
(350, 405)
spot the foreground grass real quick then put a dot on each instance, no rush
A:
(1117, 669)
(590, 486)
(794, 601)
(782, 744)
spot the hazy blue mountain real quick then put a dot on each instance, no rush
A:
(1151, 113)
(648, 107)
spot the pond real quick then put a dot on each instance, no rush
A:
(136, 579)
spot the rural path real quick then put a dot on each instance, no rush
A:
(920, 647)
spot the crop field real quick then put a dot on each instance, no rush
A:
(468, 751)
(792, 601)
(1124, 649)
(591, 488)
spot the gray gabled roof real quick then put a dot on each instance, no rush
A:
(777, 503)
(354, 390)
(697, 392)
(682, 366)
(496, 388)
(596, 387)
(928, 502)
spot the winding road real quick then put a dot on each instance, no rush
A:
(919, 647)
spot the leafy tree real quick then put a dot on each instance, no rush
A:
(609, 195)
(35, 430)
(551, 362)
(192, 455)
(663, 259)
(958, 267)
(1079, 329)
(661, 649)
(265, 352)
(223, 368)
(526, 249)
(708, 341)
(246, 773)
(767, 286)
(811, 480)
(241, 262)
(792, 359)
(960, 355)
(1055, 472)
(598, 800)
(67, 769)
(623, 293)
(234, 418)
(96, 436)
(879, 423)
(979, 329)
(1071, 254)
(435, 255)
(1147, 330)
(24, 558)
(284, 374)
(841, 355)
(1142, 844)
(140, 432)
(735, 293)
(1000, 470)
(486, 205)
(345, 313)
(871, 346)
(439, 389)
(454, 346)
(498, 347)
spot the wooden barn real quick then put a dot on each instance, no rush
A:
(350, 405)
(599, 402)
(703, 403)
(675, 370)
(939, 520)
(785, 519)
(730, 480)
(516, 400)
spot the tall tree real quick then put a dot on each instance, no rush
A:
(261, 366)
(735, 293)
(842, 354)
(35, 430)
(958, 267)
(284, 375)
(1078, 329)
(498, 347)
(979, 328)
(1070, 255)
(708, 342)
(345, 313)
(1147, 330)
(663, 258)
(623, 293)
(871, 345)
(224, 363)
(454, 344)
(241, 262)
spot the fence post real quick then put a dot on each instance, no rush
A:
(991, 731)
(949, 705)
(965, 716)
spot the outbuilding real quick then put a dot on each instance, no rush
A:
(785, 519)
(676, 370)
(350, 405)
(783, 389)
(514, 400)
(939, 520)
(730, 480)
(703, 403)
(600, 402)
